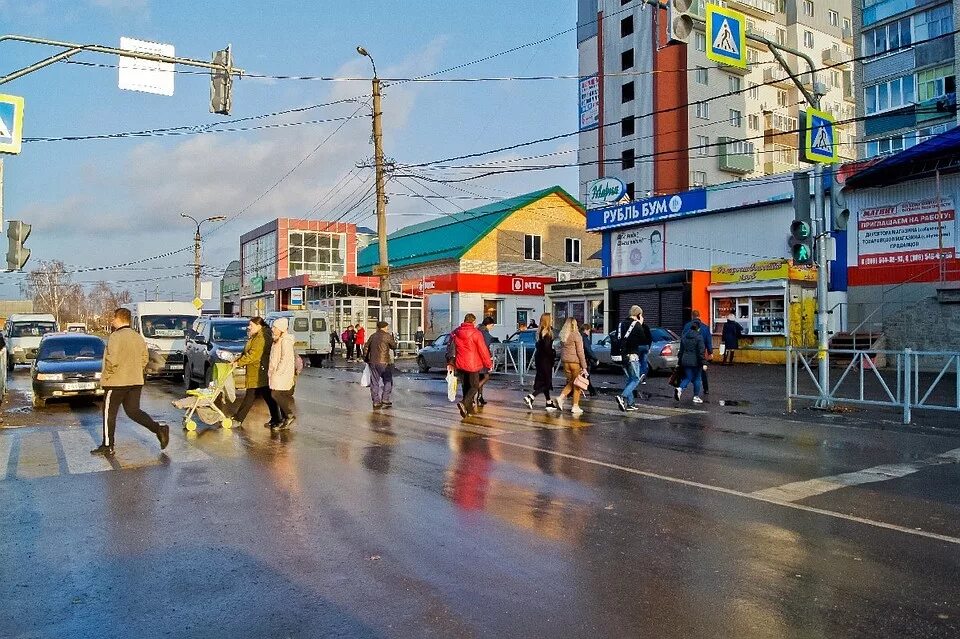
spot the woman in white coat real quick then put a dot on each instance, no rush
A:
(283, 372)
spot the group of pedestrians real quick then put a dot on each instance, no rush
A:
(270, 363)
(353, 339)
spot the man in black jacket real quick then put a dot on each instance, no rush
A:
(629, 334)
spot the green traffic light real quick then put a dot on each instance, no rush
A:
(801, 254)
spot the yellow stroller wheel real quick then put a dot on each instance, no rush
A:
(227, 423)
(190, 425)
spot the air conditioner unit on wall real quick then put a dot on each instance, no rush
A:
(563, 276)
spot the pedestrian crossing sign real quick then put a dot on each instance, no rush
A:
(820, 143)
(726, 36)
(11, 123)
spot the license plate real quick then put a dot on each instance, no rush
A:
(175, 367)
(79, 386)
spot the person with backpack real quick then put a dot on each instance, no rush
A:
(544, 359)
(693, 361)
(707, 343)
(349, 337)
(625, 349)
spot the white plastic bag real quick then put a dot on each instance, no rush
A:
(723, 350)
(365, 377)
(451, 386)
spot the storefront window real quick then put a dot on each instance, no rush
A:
(494, 309)
(596, 316)
(768, 315)
(312, 253)
(439, 320)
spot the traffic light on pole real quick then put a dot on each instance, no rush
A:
(221, 83)
(801, 229)
(679, 21)
(839, 211)
(17, 234)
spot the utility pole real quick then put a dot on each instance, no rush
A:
(196, 248)
(383, 269)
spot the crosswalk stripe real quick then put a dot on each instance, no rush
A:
(77, 445)
(6, 447)
(38, 456)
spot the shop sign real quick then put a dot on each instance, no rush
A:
(605, 191)
(477, 283)
(256, 284)
(648, 210)
(637, 251)
(762, 271)
(907, 233)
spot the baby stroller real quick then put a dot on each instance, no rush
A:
(203, 402)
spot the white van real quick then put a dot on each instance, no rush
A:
(311, 333)
(23, 333)
(164, 326)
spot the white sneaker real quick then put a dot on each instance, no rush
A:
(676, 393)
(528, 400)
(559, 403)
(697, 400)
(576, 411)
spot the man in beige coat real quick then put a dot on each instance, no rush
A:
(122, 379)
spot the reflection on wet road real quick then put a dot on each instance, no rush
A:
(411, 523)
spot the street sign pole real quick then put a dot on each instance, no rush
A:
(823, 353)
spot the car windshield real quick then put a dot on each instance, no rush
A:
(32, 329)
(230, 332)
(160, 326)
(68, 349)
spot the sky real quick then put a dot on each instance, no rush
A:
(100, 203)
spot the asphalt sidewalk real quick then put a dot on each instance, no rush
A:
(741, 389)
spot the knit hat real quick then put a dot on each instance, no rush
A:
(635, 310)
(281, 324)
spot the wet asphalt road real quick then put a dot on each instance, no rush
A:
(666, 523)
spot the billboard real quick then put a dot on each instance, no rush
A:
(648, 210)
(589, 102)
(636, 251)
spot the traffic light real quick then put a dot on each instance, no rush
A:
(221, 83)
(679, 21)
(839, 212)
(801, 229)
(17, 234)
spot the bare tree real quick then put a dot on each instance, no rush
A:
(49, 284)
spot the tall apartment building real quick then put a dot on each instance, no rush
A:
(660, 125)
(905, 72)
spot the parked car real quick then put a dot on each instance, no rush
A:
(663, 351)
(76, 327)
(434, 354)
(23, 334)
(67, 365)
(311, 333)
(213, 340)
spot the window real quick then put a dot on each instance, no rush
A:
(781, 6)
(739, 147)
(808, 39)
(631, 189)
(703, 145)
(315, 253)
(626, 60)
(753, 56)
(754, 91)
(319, 325)
(259, 258)
(735, 83)
(572, 250)
(736, 117)
(494, 309)
(781, 37)
(753, 120)
(703, 110)
(531, 247)
(935, 83)
(834, 18)
(698, 178)
(628, 159)
(628, 126)
(782, 98)
(888, 95)
(301, 324)
(626, 26)
(626, 92)
(846, 25)
(702, 77)
(888, 37)
(933, 22)
(808, 8)
(701, 41)
(835, 79)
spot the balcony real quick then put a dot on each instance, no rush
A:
(848, 35)
(736, 156)
(776, 122)
(758, 8)
(780, 159)
(777, 77)
(832, 57)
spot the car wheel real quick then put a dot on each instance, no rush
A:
(422, 364)
(39, 402)
(188, 378)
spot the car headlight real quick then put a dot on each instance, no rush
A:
(17, 349)
(50, 377)
(97, 375)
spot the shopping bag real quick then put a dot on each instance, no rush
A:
(581, 381)
(674, 377)
(451, 386)
(365, 377)
(723, 349)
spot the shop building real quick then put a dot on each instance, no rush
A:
(316, 257)
(904, 271)
(719, 251)
(495, 260)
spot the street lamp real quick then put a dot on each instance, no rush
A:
(382, 270)
(196, 247)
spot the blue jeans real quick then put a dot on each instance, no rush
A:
(644, 364)
(691, 374)
(632, 371)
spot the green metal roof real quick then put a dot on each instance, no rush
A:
(451, 236)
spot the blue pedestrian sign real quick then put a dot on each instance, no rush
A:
(296, 297)
(11, 123)
(820, 143)
(726, 36)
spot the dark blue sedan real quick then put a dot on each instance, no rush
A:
(68, 365)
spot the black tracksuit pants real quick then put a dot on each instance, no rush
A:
(129, 398)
